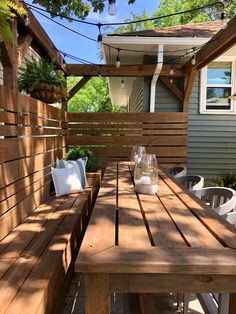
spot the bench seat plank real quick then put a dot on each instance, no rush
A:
(45, 248)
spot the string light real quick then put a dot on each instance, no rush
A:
(193, 60)
(107, 45)
(99, 40)
(118, 58)
(112, 7)
(99, 71)
(27, 20)
(125, 23)
(122, 83)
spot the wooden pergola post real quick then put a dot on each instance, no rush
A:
(9, 61)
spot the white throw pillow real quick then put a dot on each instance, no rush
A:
(66, 180)
(80, 164)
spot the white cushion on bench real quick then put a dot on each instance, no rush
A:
(78, 163)
(66, 180)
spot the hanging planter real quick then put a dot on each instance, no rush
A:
(49, 93)
(42, 81)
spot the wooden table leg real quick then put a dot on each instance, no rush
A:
(232, 303)
(97, 294)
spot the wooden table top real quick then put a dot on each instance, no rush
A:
(170, 232)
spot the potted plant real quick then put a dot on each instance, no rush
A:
(42, 81)
(79, 152)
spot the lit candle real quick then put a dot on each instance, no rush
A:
(144, 186)
(145, 180)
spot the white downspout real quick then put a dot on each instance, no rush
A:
(155, 77)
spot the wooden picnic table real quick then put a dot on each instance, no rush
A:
(168, 242)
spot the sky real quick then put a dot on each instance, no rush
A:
(80, 47)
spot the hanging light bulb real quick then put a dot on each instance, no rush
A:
(122, 83)
(193, 60)
(118, 58)
(99, 71)
(26, 20)
(112, 7)
(171, 80)
(99, 39)
(171, 70)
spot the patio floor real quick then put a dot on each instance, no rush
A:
(124, 303)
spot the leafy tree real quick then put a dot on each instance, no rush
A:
(7, 15)
(207, 14)
(79, 8)
(93, 97)
(134, 27)
(168, 7)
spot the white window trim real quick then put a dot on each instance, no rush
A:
(203, 88)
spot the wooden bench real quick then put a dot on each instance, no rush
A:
(39, 234)
(37, 257)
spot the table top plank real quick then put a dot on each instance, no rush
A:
(100, 233)
(160, 260)
(171, 232)
(162, 230)
(217, 225)
(132, 230)
(192, 229)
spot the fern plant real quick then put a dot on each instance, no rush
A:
(35, 73)
(79, 152)
(7, 15)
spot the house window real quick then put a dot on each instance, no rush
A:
(217, 84)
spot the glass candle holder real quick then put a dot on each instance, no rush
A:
(137, 153)
(146, 174)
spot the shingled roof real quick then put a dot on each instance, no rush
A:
(205, 29)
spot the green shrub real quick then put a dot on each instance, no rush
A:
(35, 73)
(227, 180)
(79, 152)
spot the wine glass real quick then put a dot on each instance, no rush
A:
(137, 152)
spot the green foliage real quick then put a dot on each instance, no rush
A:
(167, 7)
(7, 15)
(208, 14)
(79, 152)
(79, 8)
(35, 73)
(227, 180)
(134, 27)
(93, 97)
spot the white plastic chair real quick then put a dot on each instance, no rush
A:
(231, 218)
(177, 171)
(191, 182)
(221, 199)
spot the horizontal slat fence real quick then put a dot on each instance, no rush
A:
(111, 136)
(31, 137)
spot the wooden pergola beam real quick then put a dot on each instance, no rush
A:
(188, 86)
(140, 70)
(78, 86)
(24, 42)
(171, 87)
(43, 40)
(220, 43)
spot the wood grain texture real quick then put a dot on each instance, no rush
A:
(112, 135)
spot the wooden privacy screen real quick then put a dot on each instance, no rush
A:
(30, 139)
(111, 135)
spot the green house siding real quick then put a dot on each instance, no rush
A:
(136, 99)
(165, 101)
(211, 140)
